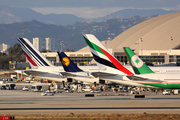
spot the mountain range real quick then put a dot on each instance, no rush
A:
(70, 35)
(128, 13)
(12, 14)
(66, 28)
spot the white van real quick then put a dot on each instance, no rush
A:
(36, 88)
(175, 92)
(166, 92)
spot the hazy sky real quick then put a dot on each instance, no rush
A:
(90, 8)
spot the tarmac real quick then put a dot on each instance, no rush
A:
(26, 102)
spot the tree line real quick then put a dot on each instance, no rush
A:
(15, 53)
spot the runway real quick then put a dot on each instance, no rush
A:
(26, 102)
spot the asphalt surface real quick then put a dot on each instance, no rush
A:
(27, 102)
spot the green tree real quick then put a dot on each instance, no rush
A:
(4, 61)
(67, 50)
(45, 51)
(16, 53)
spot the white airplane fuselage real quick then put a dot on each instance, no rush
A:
(54, 73)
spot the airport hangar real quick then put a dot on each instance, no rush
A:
(156, 41)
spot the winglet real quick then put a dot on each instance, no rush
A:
(67, 63)
(137, 64)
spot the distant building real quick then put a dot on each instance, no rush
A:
(4, 47)
(37, 42)
(50, 44)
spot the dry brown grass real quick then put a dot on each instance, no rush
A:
(72, 116)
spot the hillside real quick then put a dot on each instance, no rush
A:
(128, 13)
(10, 15)
(71, 35)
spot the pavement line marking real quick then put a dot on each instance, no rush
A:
(19, 103)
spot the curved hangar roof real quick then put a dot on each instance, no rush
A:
(155, 33)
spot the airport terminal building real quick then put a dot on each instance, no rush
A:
(156, 41)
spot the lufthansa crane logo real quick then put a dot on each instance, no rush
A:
(136, 61)
(65, 61)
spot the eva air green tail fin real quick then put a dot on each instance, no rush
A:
(137, 64)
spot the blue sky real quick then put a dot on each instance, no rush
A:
(91, 8)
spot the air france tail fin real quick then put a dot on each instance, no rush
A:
(68, 64)
(35, 58)
(102, 55)
(137, 64)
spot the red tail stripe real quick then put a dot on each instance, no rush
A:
(117, 64)
(30, 60)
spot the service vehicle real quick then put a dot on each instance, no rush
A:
(95, 91)
(134, 92)
(46, 93)
(166, 92)
(36, 88)
(25, 88)
(175, 92)
(10, 86)
(86, 90)
(3, 87)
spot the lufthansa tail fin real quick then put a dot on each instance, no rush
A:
(102, 55)
(137, 64)
(68, 64)
(35, 58)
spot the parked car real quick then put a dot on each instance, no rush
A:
(25, 88)
(46, 93)
(10, 86)
(86, 90)
(166, 92)
(69, 91)
(95, 91)
(3, 87)
(134, 92)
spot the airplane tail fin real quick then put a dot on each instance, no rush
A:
(137, 64)
(102, 55)
(68, 64)
(35, 58)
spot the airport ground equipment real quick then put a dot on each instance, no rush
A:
(89, 95)
(139, 96)
(36, 88)
(47, 93)
(166, 92)
(25, 88)
(175, 92)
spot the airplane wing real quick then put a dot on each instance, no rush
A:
(98, 74)
(67, 74)
(136, 78)
(21, 72)
(74, 75)
(31, 72)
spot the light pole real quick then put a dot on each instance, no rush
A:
(110, 43)
(140, 39)
(61, 45)
(171, 39)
